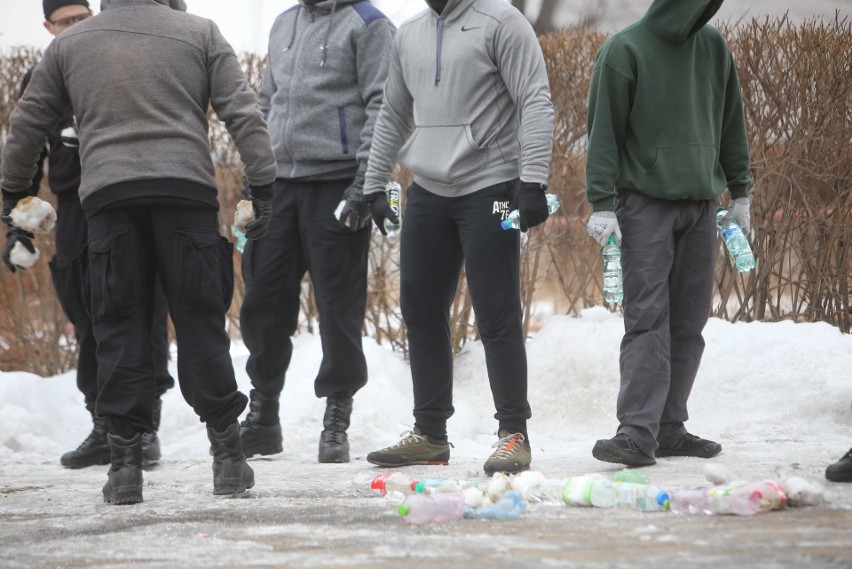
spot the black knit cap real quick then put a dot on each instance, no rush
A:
(50, 6)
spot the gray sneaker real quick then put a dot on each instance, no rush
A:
(513, 454)
(413, 448)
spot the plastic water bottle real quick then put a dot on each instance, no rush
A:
(631, 475)
(738, 498)
(432, 508)
(513, 220)
(240, 243)
(382, 484)
(549, 491)
(578, 490)
(433, 485)
(605, 493)
(612, 276)
(394, 193)
(510, 505)
(735, 241)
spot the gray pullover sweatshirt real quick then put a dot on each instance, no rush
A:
(140, 77)
(322, 86)
(467, 101)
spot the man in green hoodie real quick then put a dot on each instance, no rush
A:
(666, 137)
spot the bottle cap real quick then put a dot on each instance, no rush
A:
(419, 487)
(403, 510)
(663, 500)
(505, 225)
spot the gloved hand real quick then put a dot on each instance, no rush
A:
(261, 199)
(380, 209)
(353, 213)
(14, 236)
(10, 200)
(740, 209)
(68, 136)
(531, 203)
(603, 224)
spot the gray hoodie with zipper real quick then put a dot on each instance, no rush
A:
(467, 101)
(322, 86)
(140, 76)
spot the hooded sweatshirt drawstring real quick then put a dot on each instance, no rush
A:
(295, 27)
(324, 47)
(438, 50)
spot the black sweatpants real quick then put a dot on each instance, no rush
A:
(66, 268)
(305, 236)
(438, 235)
(669, 248)
(128, 248)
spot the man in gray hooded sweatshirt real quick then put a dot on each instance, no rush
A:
(321, 93)
(467, 108)
(140, 76)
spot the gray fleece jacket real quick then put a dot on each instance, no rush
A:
(467, 101)
(322, 86)
(140, 76)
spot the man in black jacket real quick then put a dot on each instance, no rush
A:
(63, 159)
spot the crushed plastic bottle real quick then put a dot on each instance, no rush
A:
(602, 492)
(392, 485)
(735, 241)
(549, 491)
(613, 277)
(737, 498)
(394, 193)
(509, 506)
(631, 475)
(440, 507)
(513, 219)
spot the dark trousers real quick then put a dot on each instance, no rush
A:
(438, 235)
(305, 236)
(669, 248)
(127, 249)
(66, 268)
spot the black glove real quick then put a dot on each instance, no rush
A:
(245, 190)
(261, 199)
(16, 235)
(531, 203)
(10, 200)
(353, 213)
(380, 210)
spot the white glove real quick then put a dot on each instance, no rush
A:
(601, 225)
(740, 210)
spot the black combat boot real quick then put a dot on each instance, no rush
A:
(124, 483)
(150, 441)
(93, 450)
(334, 444)
(231, 472)
(261, 429)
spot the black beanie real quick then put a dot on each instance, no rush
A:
(50, 6)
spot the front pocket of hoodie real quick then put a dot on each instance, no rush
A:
(682, 172)
(446, 154)
(344, 143)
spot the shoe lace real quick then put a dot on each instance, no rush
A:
(507, 446)
(408, 437)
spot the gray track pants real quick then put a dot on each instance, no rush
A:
(669, 247)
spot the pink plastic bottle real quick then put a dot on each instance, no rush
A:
(432, 508)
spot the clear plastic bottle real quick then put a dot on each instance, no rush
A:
(578, 490)
(432, 508)
(549, 491)
(382, 484)
(394, 193)
(509, 506)
(738, 498)
(612, 276)
(605, 493)
(513, 220)
(735, 241)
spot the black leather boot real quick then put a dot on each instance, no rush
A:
(150, 441)
(93, 450)
(231, 472)
(124, 479)
(261, 429)
(334, 444)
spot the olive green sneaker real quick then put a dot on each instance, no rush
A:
(413, 448)
(513, 454)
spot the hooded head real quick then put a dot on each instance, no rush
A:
(675, 21)
(178, 5)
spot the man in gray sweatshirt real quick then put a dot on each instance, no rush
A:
(467, 108)
(321, 93)
(140, 77)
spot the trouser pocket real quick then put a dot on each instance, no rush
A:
(206, 269)
(110, 278)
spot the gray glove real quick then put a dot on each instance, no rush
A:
(740, 209)
(601, 225)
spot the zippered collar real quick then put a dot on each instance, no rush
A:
(452, 11)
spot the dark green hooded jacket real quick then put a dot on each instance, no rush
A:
(665, 113)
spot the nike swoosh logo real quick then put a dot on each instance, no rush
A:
(464, 29)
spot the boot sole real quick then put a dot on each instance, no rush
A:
(86, 464)
(491, 471)
(263, 450)
(231, 487)
(333, 459)
(410, 463)
(125, 496)
(666, 453)
(606, 454)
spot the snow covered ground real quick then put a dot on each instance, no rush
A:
(777, 396)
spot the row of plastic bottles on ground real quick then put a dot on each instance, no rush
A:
(505, 497)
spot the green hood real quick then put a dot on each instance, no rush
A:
(675, 21)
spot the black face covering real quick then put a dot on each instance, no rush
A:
(437, 5)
